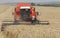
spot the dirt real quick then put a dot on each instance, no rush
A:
(50, 14)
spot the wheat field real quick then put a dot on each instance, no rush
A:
(51, 14)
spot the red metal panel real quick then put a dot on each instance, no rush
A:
(23, 4)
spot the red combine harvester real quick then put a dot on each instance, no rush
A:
(24, 14)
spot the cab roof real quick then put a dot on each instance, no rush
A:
(23, 4)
